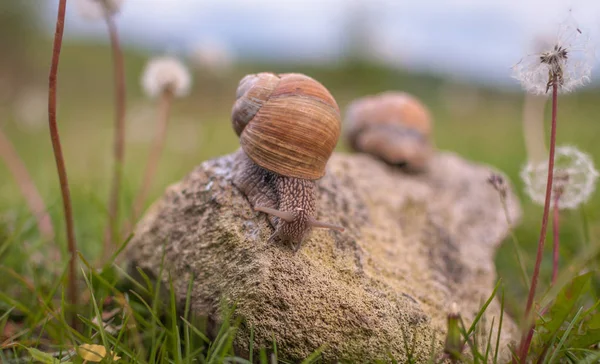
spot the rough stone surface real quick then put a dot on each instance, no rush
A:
(413, 245)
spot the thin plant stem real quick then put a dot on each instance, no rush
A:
(555, 245)
(60, 162)
(555, 242)
(30, 192)
(529, 321)
(515, 240)
(111, 234)
(555, 236)
(164, 109)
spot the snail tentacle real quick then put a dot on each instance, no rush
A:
(325, 225)
(284, 215)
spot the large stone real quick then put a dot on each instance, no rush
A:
(413, 245)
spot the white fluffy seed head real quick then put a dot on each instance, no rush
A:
(212, 55)
(166, 74)
(568, 54)
(98, 9)
(574, 178)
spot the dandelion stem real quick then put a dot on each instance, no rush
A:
(112, 231)
(555, 237)
(58, 156)
(164, 109)
(528, 335)
(27, 186)
(515, 241)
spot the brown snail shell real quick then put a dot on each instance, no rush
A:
(393, 126)
(288, 126)
(288, 123)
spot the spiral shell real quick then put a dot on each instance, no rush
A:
(393, 126)
(288, 123)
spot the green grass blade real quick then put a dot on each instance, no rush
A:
(432, 354)
(565, 336)
(483, 309)
(489, 342)
(316, 355)
(591, 358)
(155, 290)
(176, 338)
(131, 280)
(407, 348)
(576, 265)
(120, 249)
(251, 351)
(237, 360)
(16, 304)
(97, 311)
(585, 225)
(263, 356)
(199, 333)
(496, 350)
(274, 355)
(215, 352)
(516, 245)
(186, 328)
(152, 312)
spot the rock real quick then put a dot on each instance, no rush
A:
(413, 245)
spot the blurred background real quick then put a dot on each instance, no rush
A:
(455, 55)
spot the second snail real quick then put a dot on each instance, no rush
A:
(392, 126)
(288, 126)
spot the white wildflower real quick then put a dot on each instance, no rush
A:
(568, 57)
(166, 74)
(98, 9)
(213, 55)
(574, 178)
(31, 109)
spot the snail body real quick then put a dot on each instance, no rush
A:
(392, 126)
(288, 126)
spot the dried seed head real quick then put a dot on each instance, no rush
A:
(574, 178)
(212, 55)
(499, 184)
(166, 74)
(98, 9)
(31, 109)
(566, 58)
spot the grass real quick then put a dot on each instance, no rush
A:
(487, 130)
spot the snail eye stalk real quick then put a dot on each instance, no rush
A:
(284, 215)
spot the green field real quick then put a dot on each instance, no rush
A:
(483, 125)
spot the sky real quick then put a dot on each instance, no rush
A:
(472, 39)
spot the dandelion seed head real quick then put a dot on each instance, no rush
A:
(31, 109)
(574, 179)
(568, 56)
(499, 184)
(212, 55)
(98, 9)
(166, 74)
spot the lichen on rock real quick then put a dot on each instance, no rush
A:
(412, 245)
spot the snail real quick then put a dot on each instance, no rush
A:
(288, 125)
(392, 126)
